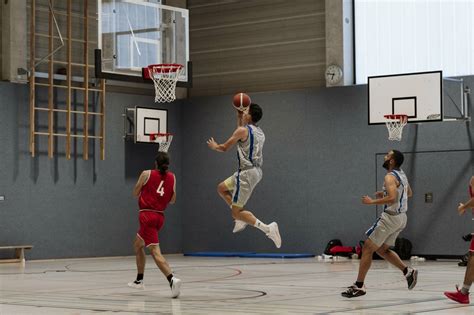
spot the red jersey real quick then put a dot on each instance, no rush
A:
(157, 192)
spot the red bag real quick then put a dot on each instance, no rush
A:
(342, 250)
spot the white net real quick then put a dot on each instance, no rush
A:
(163, 140)
(395, 124)
(165, 77)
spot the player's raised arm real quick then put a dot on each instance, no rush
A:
(141, 181)
(240, 120)
(240, 133)
(173, 199)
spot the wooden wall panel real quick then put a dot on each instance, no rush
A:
(221, 13)
(279, 45)
(268, 33)
(283, 55)
(271, 80)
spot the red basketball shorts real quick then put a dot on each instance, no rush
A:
(151, 223)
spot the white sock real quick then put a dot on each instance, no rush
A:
(262, 226)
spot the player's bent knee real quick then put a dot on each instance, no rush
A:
(221, 188)
(383, 250)
(367, 250)
(369, 247)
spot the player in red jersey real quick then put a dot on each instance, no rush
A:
(462, 296)
(155, 189)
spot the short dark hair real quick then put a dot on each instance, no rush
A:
(398, 158)
(256, 112)
(162, 162)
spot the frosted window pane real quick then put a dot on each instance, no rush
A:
(403, 36)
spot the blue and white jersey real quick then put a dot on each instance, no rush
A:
(250, 151)
(401, 203)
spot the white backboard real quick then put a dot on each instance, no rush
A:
(418, 95)
(133, 34)
(148, 121)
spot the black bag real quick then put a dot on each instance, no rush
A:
(332, 243)
(464, 260)
(403, 248)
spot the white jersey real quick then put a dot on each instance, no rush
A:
(250, 151)
(401, 203)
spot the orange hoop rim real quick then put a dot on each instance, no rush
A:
(396, 116)
(153, 136)
(165, 67)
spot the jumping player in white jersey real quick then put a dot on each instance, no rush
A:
(382, 235)
(237, 189)
(462, 296)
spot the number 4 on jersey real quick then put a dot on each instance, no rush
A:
(161, 189)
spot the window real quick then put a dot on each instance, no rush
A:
(135, 31)
(404, 36)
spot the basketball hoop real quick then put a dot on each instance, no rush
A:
(395, 124)
(165, 77)
(163, 140)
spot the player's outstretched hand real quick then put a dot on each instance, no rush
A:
(367, 200)
(461, 208)
(212, 144)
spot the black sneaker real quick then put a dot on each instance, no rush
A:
(412, 276)
(353, 291)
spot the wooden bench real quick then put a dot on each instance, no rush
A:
(19, 253)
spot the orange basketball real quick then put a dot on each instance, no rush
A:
(241, 101)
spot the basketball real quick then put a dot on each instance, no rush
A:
(241, 101)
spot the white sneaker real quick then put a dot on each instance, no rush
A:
(137, 285)
(239, 226)
(175, 287)
(274, 234)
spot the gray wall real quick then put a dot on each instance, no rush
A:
(320, 158)
(76, 208)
